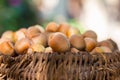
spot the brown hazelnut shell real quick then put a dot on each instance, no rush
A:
(52, 27)
(90, 44)
(91, 34)
(7, 48)
(22, 45)
(77, 41)
(59, 42)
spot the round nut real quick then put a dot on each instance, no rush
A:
(102, 49)
(77, 41)
(106, 43)
(4, 40)
(38, 48)
(90, 44)
(106, 49)
(74, 50)
(114, 44)
(72, 31)
(40, 28)
(90, 34)
(96, 50)
(18, 35)
(7, 48)
(24, 30)
(30, 50)
(32, 32)
(48, 50)
(22, 45)
(40, 39)
(63, 28)
(8, 35)
(59, 42)
(52, 27)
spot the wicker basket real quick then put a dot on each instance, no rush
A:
(64, 66)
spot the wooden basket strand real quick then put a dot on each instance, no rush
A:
(64, 66)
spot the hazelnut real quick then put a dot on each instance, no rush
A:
(48, 50)
(24, 30)
(48, 34)
(74, 50)
(63, 28)
(8, 35)
(7, 48)
(40, 39)
(59, 42)
(18, 35)
(90, 34)
(38, 48)
(30, 50)
(32, 32)
(90, 44)
(22, 45)
(96, 50)
(72, 31)
(102, 49)
(52, 27)
(107, 44)
(113, 43)
(106, 49)
(4, 39)
(40, 28)
(77, 41)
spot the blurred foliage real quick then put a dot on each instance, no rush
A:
(24, 15)
(15, 17)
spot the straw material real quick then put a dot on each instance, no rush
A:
(61, 66)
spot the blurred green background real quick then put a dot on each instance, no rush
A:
(15, 14)
(101, 16)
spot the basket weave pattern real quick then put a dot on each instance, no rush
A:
(66, 66)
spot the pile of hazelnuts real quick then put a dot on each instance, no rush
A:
(54, 38)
